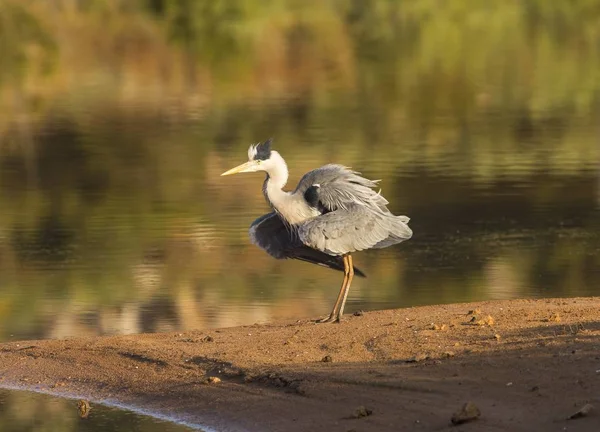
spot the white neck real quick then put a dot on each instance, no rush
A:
(277, 170)
(294, 209)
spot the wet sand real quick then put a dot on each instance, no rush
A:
(526, 364)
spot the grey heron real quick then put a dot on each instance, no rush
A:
(333, 212)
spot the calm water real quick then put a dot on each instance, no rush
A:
(483, 122)
(22, 411)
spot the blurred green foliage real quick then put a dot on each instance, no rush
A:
(22, 37)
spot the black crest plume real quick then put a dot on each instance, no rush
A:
(263, 150)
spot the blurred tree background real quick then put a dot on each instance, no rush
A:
(116, 117)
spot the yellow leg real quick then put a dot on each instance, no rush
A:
(350, 276)
(338, 307)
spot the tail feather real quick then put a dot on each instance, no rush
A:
(399, 232)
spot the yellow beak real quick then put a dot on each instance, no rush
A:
(245, 167)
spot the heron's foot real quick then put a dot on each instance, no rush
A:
(330, 319)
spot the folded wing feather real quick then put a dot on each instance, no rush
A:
(281, 241)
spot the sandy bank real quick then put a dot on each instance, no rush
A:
(527, 365)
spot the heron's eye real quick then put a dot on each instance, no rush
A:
(258, 161)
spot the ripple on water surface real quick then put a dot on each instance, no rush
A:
(23, 411)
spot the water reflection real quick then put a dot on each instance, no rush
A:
(22, 411)
(481, 121)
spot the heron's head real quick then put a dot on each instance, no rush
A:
(259, 159)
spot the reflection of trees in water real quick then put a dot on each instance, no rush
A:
(469, 245)
(133, 243)
(143, 248)
(544, 234)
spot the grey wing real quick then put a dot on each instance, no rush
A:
(353, 216)
(353, 229)
(271, 234)
(334, 187)
(281, 241)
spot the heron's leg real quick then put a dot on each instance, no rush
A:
(334, 313)
(347, 290)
